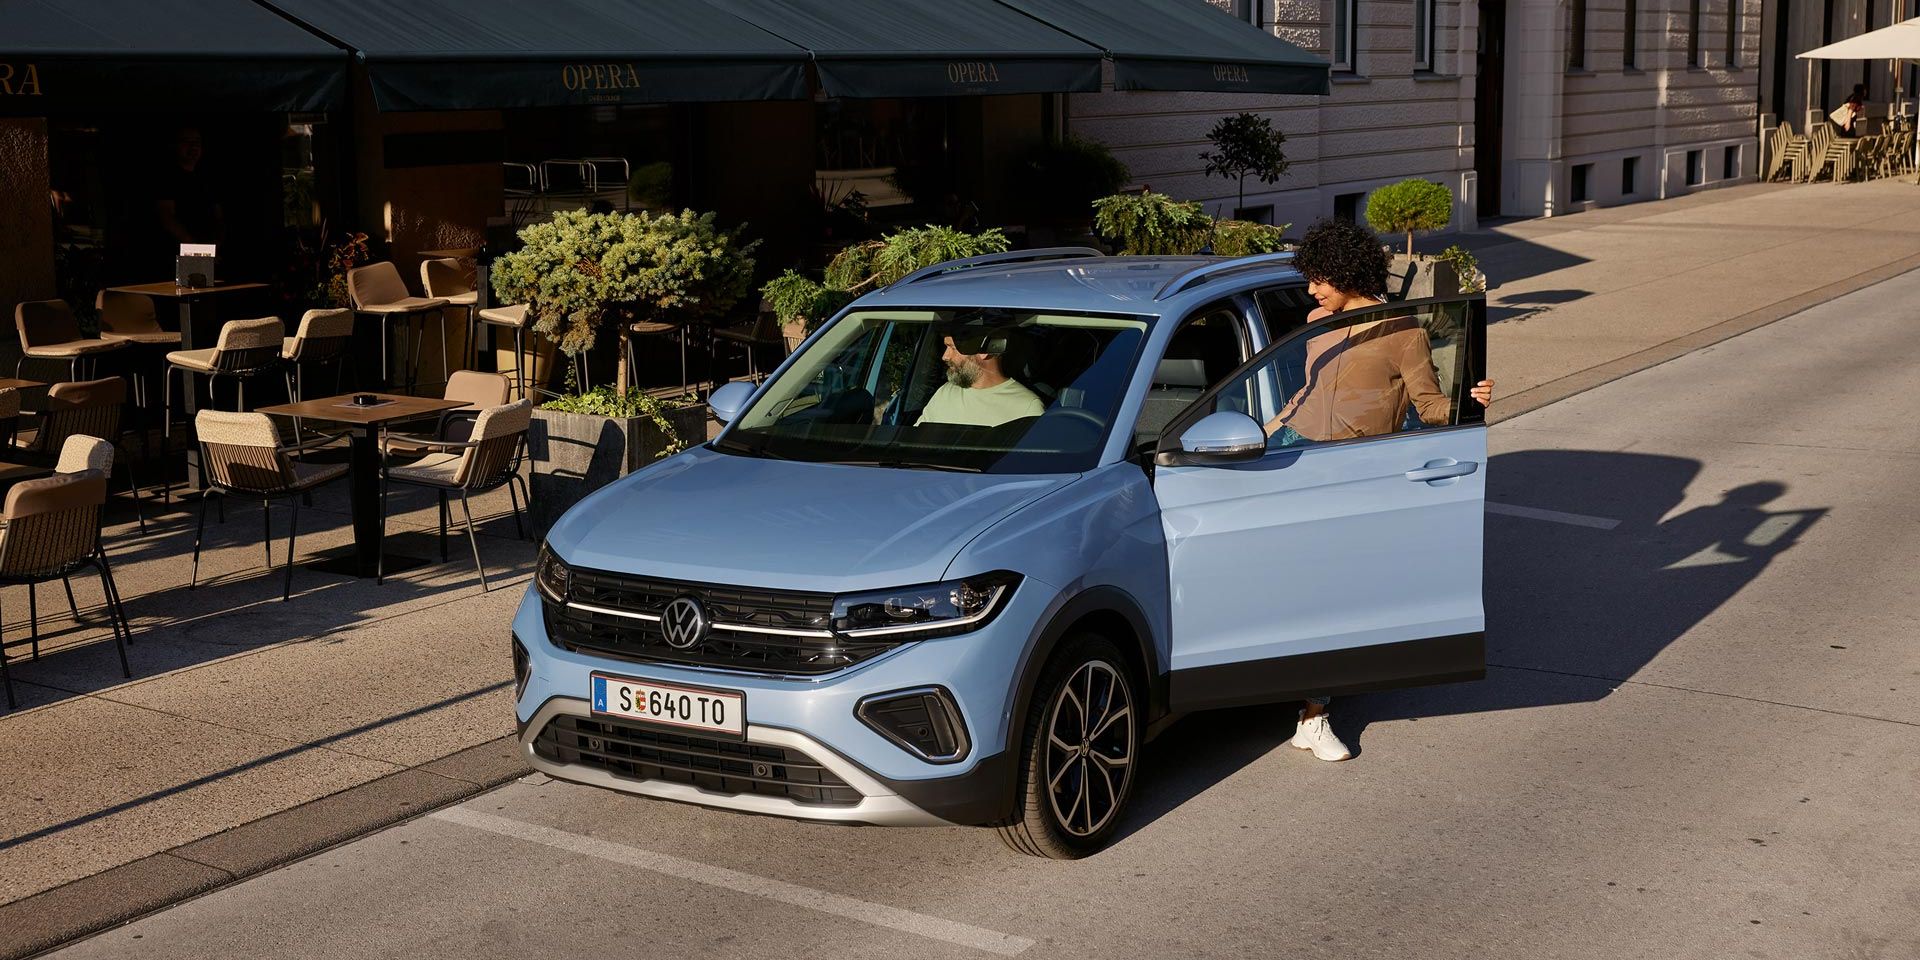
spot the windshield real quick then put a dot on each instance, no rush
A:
(992, 391)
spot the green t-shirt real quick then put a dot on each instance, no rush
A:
(984, 407)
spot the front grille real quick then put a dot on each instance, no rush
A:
(634, 752)
(626, 638)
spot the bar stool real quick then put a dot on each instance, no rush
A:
(448, 280)
(245, 349)
(762, 331)
(651, 328)
(48, 331)
(377, 290)
(513, 318)
(323, 337)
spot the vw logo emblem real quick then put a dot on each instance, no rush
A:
(684, 623)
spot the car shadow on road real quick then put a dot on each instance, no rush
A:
(1575, 604)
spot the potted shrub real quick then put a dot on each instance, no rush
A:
(1151, 223)
(1246, 145)
(803, 303)
(1405, 208)
(1240, 238)
(580, 442)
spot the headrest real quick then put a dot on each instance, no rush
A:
(1179, 372)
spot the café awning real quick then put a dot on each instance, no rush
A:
(495, 54)
(1184, 45)
(929, 48)
(62, 57)
(1898, 42)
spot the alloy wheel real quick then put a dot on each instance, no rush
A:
(1089, 748)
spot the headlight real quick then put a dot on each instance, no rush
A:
(551, 576)
(934, 609)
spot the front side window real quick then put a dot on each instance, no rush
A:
(1366, 373)
(991, 391)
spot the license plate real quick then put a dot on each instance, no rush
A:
(689, 708)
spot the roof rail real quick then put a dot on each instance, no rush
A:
(990, 259)
(1199, 275)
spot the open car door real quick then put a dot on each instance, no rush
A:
(1343, 554)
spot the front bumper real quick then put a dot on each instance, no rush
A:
(814, 717)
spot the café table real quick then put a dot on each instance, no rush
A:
(15, 383)
(363, 481)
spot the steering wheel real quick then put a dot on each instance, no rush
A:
(1093, 423)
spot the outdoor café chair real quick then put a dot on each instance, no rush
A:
(446, 279)
(323, 337)
(487, 460)
(513, 317)
(48, 331)
(244, 350)
(131, 317)
(53, 530)
(377, 291)
(762, 331)
(243, 457)
(654, 328)
(479, 391)
(89, 408)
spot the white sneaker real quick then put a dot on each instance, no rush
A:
(1317, 735)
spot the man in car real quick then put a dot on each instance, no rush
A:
(978, 391)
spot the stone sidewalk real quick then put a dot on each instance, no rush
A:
(255, 732)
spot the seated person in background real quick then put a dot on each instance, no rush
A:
(1361, 379)
(978, 391)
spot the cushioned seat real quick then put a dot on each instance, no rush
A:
(307, 475)
(439, 469)
(200, 360)
(468, 299)
(154, 338)
(73, 348)
(509, 316)
(408, 305)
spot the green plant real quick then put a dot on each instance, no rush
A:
(871, 265)
(651, 185)
(1410, 205)
(1246, 145)
(1467, 266)
(1056, 180)
(1151, 223)
(580, 267)
(1240, 238)
(605, 401)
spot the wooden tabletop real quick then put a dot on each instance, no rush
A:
(9, 383)
(341, 409)
(167, 288)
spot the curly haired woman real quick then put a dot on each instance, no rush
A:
(1360, 381)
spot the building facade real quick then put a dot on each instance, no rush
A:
(1521, 107)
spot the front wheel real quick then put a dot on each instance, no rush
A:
(1078, 754)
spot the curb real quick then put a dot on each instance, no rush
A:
(56, 917)
(1553, 391)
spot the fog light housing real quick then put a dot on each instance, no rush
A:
(923, 721)
(522, 668)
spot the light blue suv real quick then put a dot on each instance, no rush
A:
(857, 604)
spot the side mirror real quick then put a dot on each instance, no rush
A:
(1224, 437)
(727, 402)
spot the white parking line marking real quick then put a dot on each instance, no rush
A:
(880, 915)
(1554, 516)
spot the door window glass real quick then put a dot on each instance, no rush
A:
(1360, 374)
(1284, 310)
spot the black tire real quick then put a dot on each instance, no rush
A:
(1090, 780)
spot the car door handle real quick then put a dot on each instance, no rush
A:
(1442, 469)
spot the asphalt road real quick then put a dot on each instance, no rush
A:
(1699, 737)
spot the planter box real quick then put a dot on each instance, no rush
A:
(574, 454)
(1421, 278)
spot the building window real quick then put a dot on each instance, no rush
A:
(1733, 33)
(1629, 175)
(1730, 164)
(1344, 33)
(1423, 34)
(1631, 35)
(1696, 167)
(1248, 10)
(1577, 36)
(1582, 172)
(1693, 33)
(1346, 207)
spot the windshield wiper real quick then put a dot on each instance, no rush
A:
(908, 465)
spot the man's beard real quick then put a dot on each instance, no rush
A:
(963, 374)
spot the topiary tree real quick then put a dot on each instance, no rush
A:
(579, 268)
(1246, 145)
(1410, 205)
(1151, 223)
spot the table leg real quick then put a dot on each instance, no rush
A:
(364, 479)
(189, 401)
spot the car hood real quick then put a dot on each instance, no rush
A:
(713, 517)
